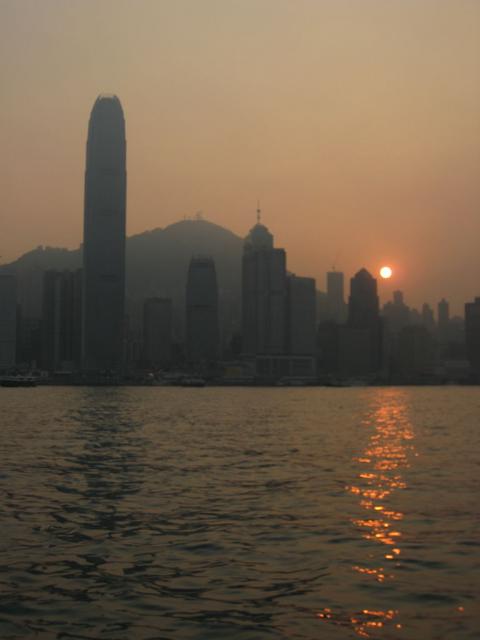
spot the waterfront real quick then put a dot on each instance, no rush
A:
(239, 513)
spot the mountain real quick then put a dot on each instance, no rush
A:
(157, 263)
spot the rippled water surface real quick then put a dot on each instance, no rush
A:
(174, 513)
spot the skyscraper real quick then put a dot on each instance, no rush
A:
(336, 307)
(396, 313)
(157, 332)
(202, 311)
(264, 294)
(104, 237)
(428, 319)
(363, 310)
(472, 334)
(61, 320)
(8, 320)
(360, 347)
(443, 317)
(301, 316)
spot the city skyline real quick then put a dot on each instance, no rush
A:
(239, 319)
(375, 163)
(388, 288)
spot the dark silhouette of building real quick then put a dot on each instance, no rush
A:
(328, 337)
(363, 310)
(361, 341)
(29, 340)
(472, 334)
(61, 320)
(8, 320)
(202, 331)
(301, 316)
(104, 237)
(443, 316)
(157, 332)
(264, 294)
(396, 314)
(428, 319)
(322, 307)
(301, 326)
(336, 307)
(278, 311)
(415, 355)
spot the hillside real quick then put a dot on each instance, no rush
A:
(157, 263)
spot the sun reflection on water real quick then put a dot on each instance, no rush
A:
(382, 463)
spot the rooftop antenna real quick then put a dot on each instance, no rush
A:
(337, 255)
(259, 212)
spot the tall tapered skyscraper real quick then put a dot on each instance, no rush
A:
(104, 237)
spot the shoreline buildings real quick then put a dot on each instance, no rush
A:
(157, 332)
(81, 326)
(61, 320)
(472, 335)
(8, 320)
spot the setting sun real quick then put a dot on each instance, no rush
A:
(386, 272)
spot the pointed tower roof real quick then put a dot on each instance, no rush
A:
(364, 274)
(259, 237)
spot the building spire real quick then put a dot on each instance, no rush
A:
(259, 212)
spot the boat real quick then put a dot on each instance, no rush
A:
(18, 381)
(193, 382)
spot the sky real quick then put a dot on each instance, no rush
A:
(356, 123)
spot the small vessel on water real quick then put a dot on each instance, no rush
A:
(18, 381)
(192, 382)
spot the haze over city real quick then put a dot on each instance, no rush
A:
(354, 123)
(239, 319)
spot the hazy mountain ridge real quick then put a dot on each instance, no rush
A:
(157, 262)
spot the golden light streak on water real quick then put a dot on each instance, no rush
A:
(384, 459)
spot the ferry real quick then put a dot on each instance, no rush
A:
(18, 381)
(192, 382)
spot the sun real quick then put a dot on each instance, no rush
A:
(386, 272)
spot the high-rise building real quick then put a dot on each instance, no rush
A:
(363, 309)
(202, 311)
(361, 341)
(61, 320)
(443, 313)
(278, 312)
(29, 340)
(336, 306)
(328, 337)
(301, 326)
(8, 320)
(264, 294)
(443, 320)
(104, 237)
(415, 353)
(472, 333)
(428, 319)
(396, 313)
(157, 332)
(301, 316)
(323, 314)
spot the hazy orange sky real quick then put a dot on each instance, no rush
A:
(356, 123)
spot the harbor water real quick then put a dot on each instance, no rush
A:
(239, 513)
